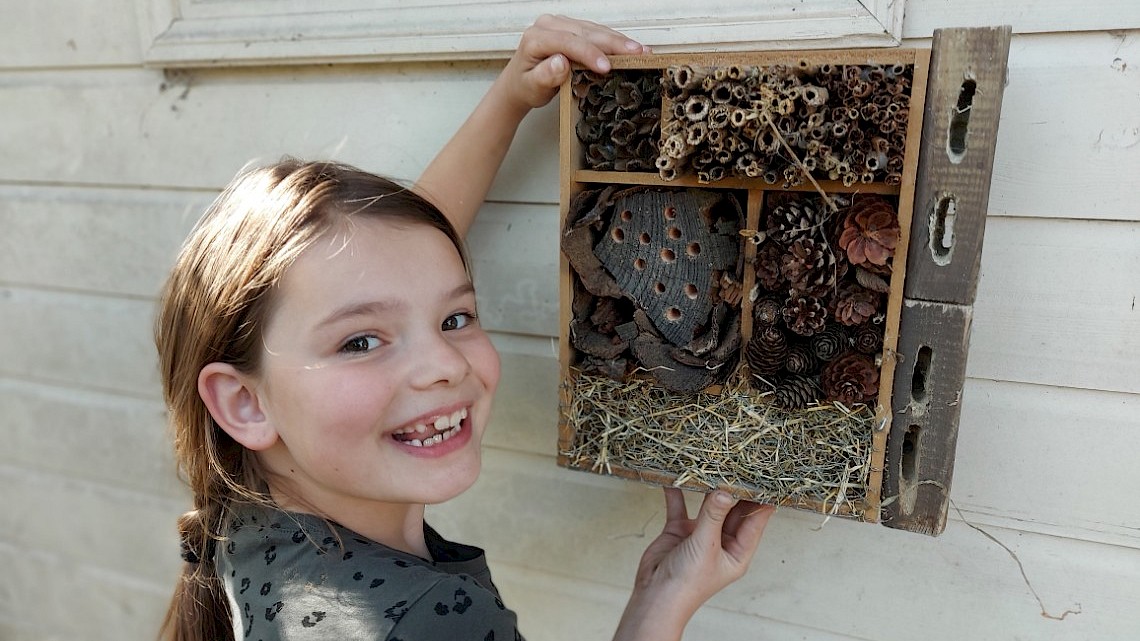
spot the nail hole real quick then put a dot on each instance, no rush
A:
(670, 213)
(659, 288)
(673, 314)
(942, 229)
(627, 215)
(639, 264)
(674, 233)
(693, 250)
(618, 235)
(644, 238)
(960, 121)
(691, 291)
(667, 255)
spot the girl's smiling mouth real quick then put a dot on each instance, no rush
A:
(428, 434)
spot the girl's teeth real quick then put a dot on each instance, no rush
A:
(441, 423)
(421, 428)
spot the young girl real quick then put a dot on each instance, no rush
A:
(327, 378)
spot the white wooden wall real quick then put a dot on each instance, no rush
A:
(105, 165)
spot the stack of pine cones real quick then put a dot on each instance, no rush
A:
(821, 289)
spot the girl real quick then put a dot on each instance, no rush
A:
(327, 378)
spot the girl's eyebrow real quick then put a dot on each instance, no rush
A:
(377, 307)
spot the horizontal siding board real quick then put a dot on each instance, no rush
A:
(91, 524)
(105, 439)
(107, 241)
(1056, 304)
(76, 601)
(924, 16)
(64, 33)
(810, 573)
(1069, 134)
(1069, 118)
(1049, 459)
(90, 342)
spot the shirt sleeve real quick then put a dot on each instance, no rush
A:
(457, 609)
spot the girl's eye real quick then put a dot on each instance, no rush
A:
(360, 344)
(459, 321)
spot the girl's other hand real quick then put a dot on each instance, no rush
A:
(548, 47)
(690, 561)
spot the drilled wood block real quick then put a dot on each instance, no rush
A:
(963, 105)
(934, 339)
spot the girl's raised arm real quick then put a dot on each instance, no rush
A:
(458, 179)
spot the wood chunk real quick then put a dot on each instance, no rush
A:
(662, 248)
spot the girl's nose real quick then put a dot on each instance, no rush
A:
(439, 362)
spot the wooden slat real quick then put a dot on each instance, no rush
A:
(642, 178)
(928, 383)
(959, 135)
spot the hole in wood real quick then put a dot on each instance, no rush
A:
(693, 250)
(919, 393)
(644, 238)
(909, 463)
(673, 314)
(639, 264)
(618, 235)
(674, 233)
(960, 121)
(667, 255)
(942, 229)
(659, 288)
(627, 215)
(691, 291)
(670, 213)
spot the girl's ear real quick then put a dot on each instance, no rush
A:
(235, 406)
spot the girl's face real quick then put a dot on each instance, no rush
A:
(376, 375)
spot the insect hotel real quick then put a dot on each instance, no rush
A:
(737, 233)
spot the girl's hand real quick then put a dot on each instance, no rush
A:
(542, 61)
(690, 561)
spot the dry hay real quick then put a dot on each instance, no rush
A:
(736, 439)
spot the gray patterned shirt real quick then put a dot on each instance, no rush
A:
(292, 576)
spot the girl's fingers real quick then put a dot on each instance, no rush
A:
(750, 525)
(675, 509)
(710, 520)
(583, 42)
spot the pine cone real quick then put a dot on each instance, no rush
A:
(805, 315)
(768, 266)
(850, 379)
(855, 305)
(795, 219)
(801, 360)
(829, 343)
(766, 351)
(870, 231)
(767, 311)
(868, 338)
(809, 267)
(796, 392)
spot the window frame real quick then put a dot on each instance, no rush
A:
(183, 33)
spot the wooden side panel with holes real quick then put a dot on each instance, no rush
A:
(963, 104)
(926, 396)
(959, 132)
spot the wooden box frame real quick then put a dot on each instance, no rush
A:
(574, 178)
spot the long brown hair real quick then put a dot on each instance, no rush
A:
(213, 309)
